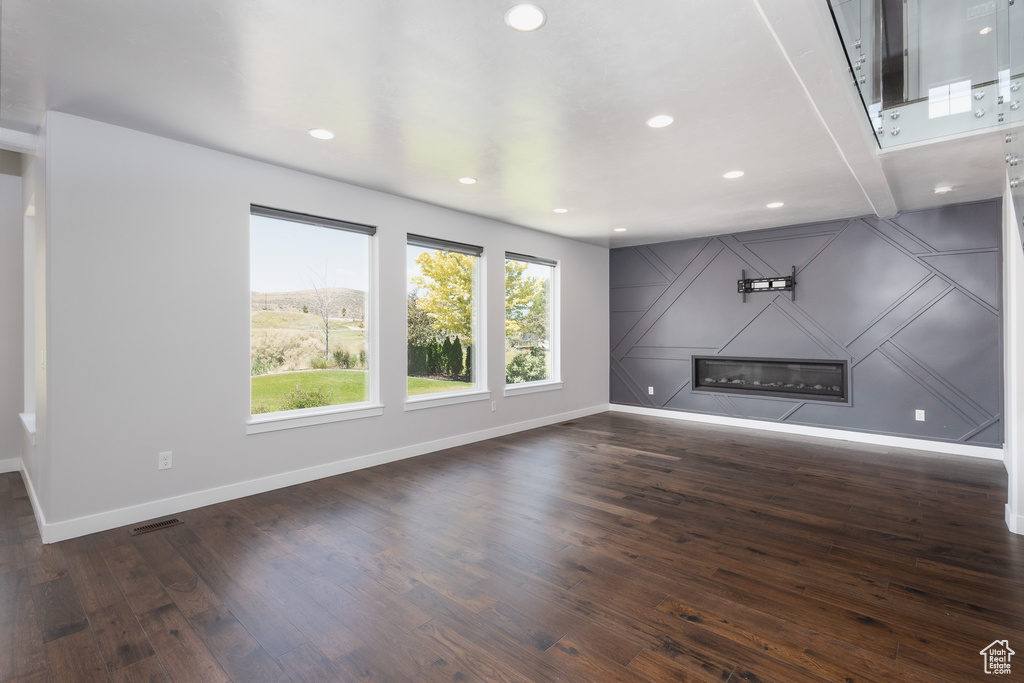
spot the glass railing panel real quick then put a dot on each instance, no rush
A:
(855, 21)
(929, 69)
(1012, 107)
(951, 42)
(949, 109)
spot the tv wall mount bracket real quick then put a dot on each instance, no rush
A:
(779, 283)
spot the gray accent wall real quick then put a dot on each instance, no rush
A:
(912, 302)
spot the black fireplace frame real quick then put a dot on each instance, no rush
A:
(754, 391)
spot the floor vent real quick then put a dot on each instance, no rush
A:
(155, 526)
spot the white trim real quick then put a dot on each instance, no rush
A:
(37, 509)
(821, 432)
(1014, 522)
(12, 465)
(80, 526)
(275, 422)
(422, 401)
(16, 141)
(532, 387)
(28, 420)
(1013, 373)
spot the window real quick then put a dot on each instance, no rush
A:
(309, 300)
(442, 315)
(531, 349)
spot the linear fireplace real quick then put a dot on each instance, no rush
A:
(812, 380)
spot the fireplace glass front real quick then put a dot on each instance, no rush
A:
(817, 380)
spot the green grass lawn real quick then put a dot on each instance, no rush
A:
(422, 385)
(270, 392)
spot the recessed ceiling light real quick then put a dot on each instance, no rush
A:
(561, 210)
(733, 174)
(321, 133)
(775, 205)
(620, 230)
(660, 121)
(943, 189)
(525, 17)
(467, 181)
(985, 31)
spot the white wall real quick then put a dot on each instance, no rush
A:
(11, 396)
(1013, 362)
(147, 335)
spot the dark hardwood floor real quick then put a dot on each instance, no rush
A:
(610, 548)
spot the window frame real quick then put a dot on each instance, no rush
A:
(372, 406)
(479, 390)
(554, 381)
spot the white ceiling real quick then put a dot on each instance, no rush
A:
(420, 94)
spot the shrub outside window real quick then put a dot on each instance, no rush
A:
(530, 344)
(309, 285)
(441, 315)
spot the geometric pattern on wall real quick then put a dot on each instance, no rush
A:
(912, 302)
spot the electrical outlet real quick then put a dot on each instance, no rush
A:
(494, 406)
(919, 415)
(650, 391)
(164, 461)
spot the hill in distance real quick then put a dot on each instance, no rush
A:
(352, 300)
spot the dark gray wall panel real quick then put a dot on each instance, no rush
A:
(861, 259)
(697, 402)
(877, 375)
(955, 338)
(978, 273)
(773, 329)
(895, 319)
(993, 434)
(679, 326)
(783, 254)
(635, 298)
(666, 376)
(913, 302)
(951, 228)
(677, 255)
(622, 386)
(622, 322)
(762, 408)
(665, 353)
(631, 268)
(898, 236)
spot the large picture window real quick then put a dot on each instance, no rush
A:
(531, 349)
(442, 315)
(309, 285)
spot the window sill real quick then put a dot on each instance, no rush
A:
(447, 399)
(532, 387)
(28, 420)
(274, 422)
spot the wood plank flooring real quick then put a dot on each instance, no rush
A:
(610, 548)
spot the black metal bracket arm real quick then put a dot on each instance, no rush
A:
(779, 283)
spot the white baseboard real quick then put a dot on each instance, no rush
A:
(839, 434)
(11, 465)
(33, 498)
(81, 526)
(1014, 522)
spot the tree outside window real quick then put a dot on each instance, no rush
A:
(441, 315)
(529, 320)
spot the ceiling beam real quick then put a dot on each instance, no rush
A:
(16, 141)
(806, 35)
